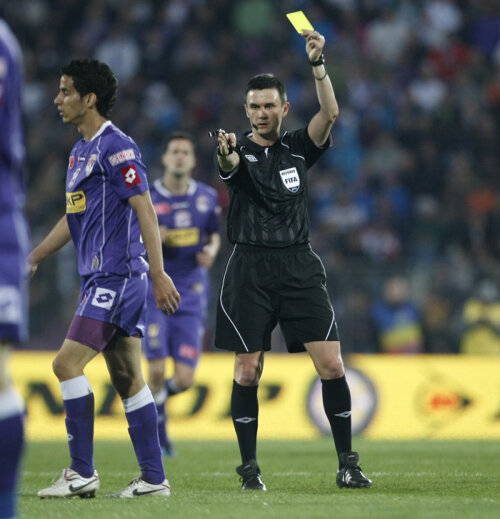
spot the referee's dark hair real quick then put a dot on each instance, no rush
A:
(92, 76)
(263, 81)
(179, 135)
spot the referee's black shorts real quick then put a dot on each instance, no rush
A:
(262, 287)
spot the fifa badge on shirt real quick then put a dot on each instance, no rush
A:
(291, 179)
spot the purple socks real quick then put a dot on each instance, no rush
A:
(142, 418)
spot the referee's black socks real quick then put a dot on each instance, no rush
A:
(245, 414)
(337, 404)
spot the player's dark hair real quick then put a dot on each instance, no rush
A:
(179, 135)
(263, 81)
(92, 76)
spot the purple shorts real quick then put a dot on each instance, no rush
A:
(179, 335)
(114, 300)
(14, 247)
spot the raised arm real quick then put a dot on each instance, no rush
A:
(57, 238)
(166, 296)
(321, 124)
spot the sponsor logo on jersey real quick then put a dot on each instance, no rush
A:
(291, 179)
(202, 204)
(130, 176)
(182, 237)
(90, 164)
(81, 158)
(76, 202)
(71, 162)
(10, 304)
(162, 208)
(71, 183)
(121, 156)
(103, 298)
(251, 158)
(180, 205)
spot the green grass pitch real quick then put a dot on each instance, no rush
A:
(427, 479)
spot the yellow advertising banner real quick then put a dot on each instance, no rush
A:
(394, 397)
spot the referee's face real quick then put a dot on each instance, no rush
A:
(265, 111)
(178, 158)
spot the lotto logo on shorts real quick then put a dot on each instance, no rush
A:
(103, 298)
(130, 176)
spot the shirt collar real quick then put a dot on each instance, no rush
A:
(104, 125)
(165, 192)
(253, 146)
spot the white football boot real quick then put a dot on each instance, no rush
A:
(138, 487)
(72, 484)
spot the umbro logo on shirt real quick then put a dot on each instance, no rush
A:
(251, 158)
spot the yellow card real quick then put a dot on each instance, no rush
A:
(299, 20)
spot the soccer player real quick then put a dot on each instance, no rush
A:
(112, 222)
(14, 248)
(272, 275)
(187, 212)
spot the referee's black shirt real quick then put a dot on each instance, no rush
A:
(268, 190)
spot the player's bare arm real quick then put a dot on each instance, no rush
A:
(227, 158)
(57, 238)
(321, 124)
(166, 295)
(163, 233)
(206, 256)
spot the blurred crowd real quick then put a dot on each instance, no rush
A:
(411, 190)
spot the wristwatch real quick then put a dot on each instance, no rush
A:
(318, 62)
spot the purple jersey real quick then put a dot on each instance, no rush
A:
(189, 218)
(11, 136)
(14, 242)
(103, 174)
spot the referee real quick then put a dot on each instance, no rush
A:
(272, 275)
